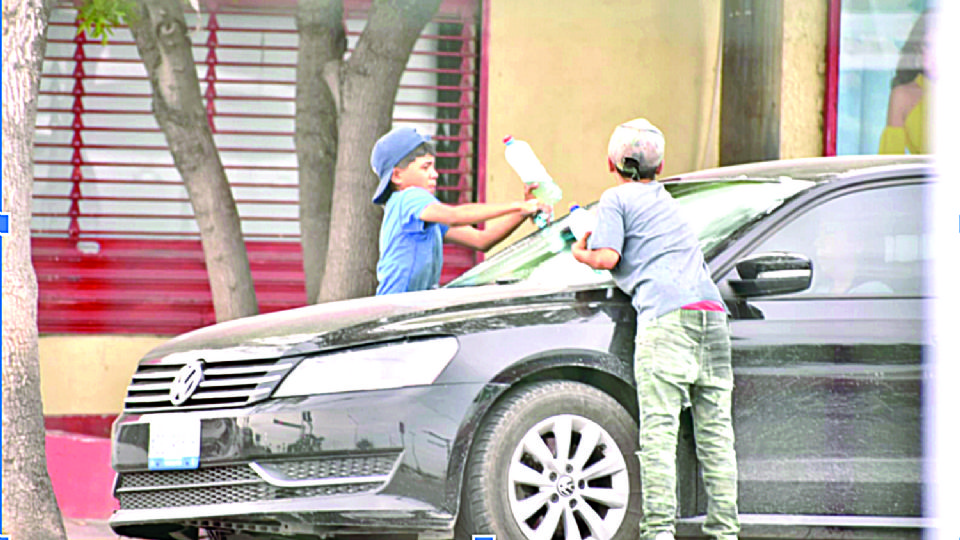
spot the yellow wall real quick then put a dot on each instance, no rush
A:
(564, 73)
(804, 78)
(89, 374)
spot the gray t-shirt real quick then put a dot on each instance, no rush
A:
(661, 264)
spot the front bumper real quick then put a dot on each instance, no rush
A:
(378, 462)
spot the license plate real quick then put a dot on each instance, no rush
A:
(174, 443)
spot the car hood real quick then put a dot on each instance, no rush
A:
(308, 329)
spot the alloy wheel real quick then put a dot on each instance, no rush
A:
(568, 480)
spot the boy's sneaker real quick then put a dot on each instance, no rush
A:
(665, 535)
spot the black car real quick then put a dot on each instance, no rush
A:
(503, 404)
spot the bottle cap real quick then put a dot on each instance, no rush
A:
(508, 139)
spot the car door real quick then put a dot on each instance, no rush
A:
(828, 380)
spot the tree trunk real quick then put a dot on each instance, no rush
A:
(161, 35)
(368, 88)
(30, 509)
(323, 42)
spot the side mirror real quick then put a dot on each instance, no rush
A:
(772, 273)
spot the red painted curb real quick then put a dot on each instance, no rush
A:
(79, 467)
(96, 425)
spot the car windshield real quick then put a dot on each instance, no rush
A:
(715, 209)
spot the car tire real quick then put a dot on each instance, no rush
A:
(518, 485)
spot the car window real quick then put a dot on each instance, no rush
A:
(868, 243)
(715, 209)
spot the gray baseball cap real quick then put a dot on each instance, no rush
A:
(637, 139)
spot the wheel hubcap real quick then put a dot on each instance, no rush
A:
(565, 486)
(568, 480)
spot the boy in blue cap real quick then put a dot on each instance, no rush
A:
(416, 223)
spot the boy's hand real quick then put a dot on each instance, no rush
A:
(530, 206)
(542, 208)
(580, 251)
(581, 244)
(546, 210)
(598, 259)
(528, 191)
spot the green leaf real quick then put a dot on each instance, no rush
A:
(99, 18)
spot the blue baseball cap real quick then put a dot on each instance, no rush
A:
(388, 151)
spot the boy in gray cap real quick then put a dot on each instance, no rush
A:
(415, 223)
(682, 356)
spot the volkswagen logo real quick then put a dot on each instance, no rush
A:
(565, 486)
(187, 381)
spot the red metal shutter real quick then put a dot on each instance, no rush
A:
(115, 243)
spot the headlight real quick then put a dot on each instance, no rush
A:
(410, 363)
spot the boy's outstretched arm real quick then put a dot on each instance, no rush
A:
(504, 219)
(492, 234)
(472, 213)
(598, 259)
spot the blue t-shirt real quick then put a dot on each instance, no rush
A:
(411, 250)
(661, 264)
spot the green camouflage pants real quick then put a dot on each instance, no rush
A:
(683, 359)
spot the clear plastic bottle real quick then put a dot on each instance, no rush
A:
(521, 157)
(581, 221)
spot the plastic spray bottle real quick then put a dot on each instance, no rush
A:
(581, 221)
(525, 162)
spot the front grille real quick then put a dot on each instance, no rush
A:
(231, 494)
(211, 475)
(194, 496)
(333, 468)
(226, 382)
(288, 479)
(237, 525)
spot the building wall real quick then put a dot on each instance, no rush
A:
(562, 75)
(804, 78)
(88, 375)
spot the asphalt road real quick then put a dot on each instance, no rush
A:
(92, 529)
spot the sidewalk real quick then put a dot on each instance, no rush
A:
(89, 529)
